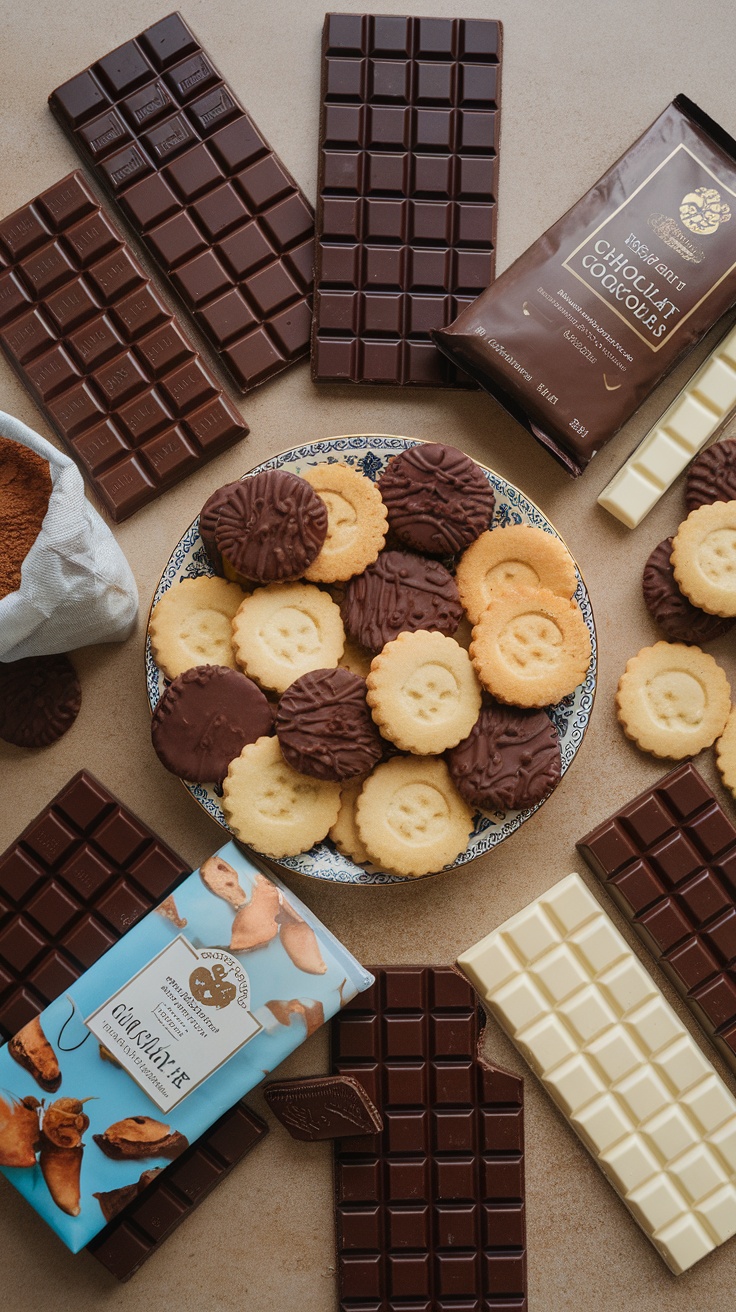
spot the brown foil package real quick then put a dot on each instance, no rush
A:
(577, 332)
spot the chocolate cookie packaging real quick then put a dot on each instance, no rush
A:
(161, 1036)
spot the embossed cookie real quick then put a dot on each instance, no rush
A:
(344, 832)
(192, 625)
(209, 517)
(726, 752)
(438, 500)
(509, 760)
(324, 726)
(704, 557)
(673, 700)
(284, 630)
(423, 693)
(204, 719)
(271, 526)
(519, 555)
(357, 522)
(271, 807)
(678, 619)
(400, 593)
(531, 647)
(40, 697)
(712, 475)
(411, 817)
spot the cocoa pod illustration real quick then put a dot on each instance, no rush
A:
(19, 1131)
(140, 1136)
(32, 1050)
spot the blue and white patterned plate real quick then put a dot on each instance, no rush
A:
(369, 454)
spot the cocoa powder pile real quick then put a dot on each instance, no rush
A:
(25, 488)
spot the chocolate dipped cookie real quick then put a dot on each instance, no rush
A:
(510, 759)
(400, 592)
(271, 526)
(670, 609)
(204, 719)
(438, 500)
(712, 475)
(324, 726)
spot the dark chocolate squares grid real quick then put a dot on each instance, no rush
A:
(216, 209)
(86, 331)
(406, 215)
(668, 859)
(133, 1236)
(430, 1213)
(81, 873)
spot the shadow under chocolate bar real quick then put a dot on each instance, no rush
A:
(85, 330)
(406, 211)
(217, 211)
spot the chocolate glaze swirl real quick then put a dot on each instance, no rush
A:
(678, 619)
(324, 726)
(712, 475)
(509, 760)
(204, 719)
(437, 498)
(400, 592)
(271, 526)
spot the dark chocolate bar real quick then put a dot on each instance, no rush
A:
(406, 215)
(668, 859)
(153, 1214)
(76, 879)
(217, 211)
(430, 1213)
(88, 334)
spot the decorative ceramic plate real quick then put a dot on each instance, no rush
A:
(369, 454)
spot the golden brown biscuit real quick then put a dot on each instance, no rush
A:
(423, 692)
(531, 647)
(411, 818)
(726, 753)
(704, 558)
(283, 630)
(673, 700)
(504, 559)
(192, 625)
(357, 522)
(272, 808)
(344, 833)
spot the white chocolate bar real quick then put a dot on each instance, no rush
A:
(622, 1068)
(694, 416)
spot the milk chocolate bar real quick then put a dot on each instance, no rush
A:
(698, 413)
(112, 370)
(80, 874)
(199, 184)
(668, 860)
(430, 1212)
(619, 1064)
(408, 175)
(579, 330)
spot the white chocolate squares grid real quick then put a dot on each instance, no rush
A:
(686, 425)
(620, 1065)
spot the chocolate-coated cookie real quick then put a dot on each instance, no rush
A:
(40, 698)
(271, 526)
(678, 619)
(324, 726)
(209, 517)
(437, 498)
(712, 475)
(509, 760)
(204, 719)
(400, 592)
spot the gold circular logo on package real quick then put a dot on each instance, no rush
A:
(703, 211)
(210, 986)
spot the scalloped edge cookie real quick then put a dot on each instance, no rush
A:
(434, 841)
(257, 633)
(405, 695)
(505, 559)
(726, 753)
(354, 539)
(192, 625)
(635, 711)
(500, 667)
(705, 570)
(303, 810)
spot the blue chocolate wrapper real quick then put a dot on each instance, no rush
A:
(287, 987)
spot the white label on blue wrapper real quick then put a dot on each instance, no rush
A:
(185, 1013)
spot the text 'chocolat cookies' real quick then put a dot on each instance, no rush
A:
(400, 592)
(204, 719)
(324, 726)
(437, 498)
(271, 526)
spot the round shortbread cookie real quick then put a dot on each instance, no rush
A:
(673, 700)
(271, 807)
(285, 630)
(519, 556)
(344, 833)
(531, 647)
(357, 522)
(192, 625)
(411, 817)
(704, 557)
(726, 753)
(356, 659)
(423, 693)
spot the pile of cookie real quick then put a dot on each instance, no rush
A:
(318, 676)
(673, 699)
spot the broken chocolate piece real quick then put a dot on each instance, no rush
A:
(140, 1136)
(31, 1049)
(326, 1107)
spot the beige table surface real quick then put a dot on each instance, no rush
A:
(581, 81)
